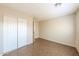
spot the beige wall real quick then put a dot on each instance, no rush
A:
(77, 30)
(36, 29)
(60, 30)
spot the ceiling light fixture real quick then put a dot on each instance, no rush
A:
(57, 4)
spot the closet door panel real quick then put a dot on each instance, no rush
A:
(30, 31)
(22, 32)
(1, 35)
(10, 33)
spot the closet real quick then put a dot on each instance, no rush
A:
(14, 32)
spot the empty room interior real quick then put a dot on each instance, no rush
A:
(39, 29)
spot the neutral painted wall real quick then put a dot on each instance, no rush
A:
(36, 29)
(60, 30)
(77, 30)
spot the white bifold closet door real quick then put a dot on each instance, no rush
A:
(1, 35)
(9, 33)
(22, 32)
(14, 33)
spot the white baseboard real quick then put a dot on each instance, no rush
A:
(59, 42)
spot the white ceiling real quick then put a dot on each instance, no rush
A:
(43, 11)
